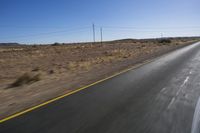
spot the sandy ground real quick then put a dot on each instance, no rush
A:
(63, 68)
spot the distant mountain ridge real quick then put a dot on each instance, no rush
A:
(9, 44)
(127, 40)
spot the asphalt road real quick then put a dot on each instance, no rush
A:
(159, 97)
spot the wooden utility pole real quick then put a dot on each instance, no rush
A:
(161, 35)
(93, 27)
(101, 31)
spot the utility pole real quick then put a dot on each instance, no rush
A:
(93, 27)
(101, 31)
(161, 35)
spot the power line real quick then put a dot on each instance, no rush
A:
(104, 26)
(142, 30)
(149, 28)
(49, 33)
(116, 29)
(35, 26)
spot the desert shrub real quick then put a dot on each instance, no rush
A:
(107, 53)
(55, 44)
(51, 71)
(36, 69)
(34, 46)
(26, 79)
(35, 78)
(164, 40)
(72, 65)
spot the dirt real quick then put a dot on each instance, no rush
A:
(63, 68)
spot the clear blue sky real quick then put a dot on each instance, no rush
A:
(48, 21)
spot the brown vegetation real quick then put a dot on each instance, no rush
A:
(26, 79)
(67, 67)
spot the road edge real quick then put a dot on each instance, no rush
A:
(89, 85)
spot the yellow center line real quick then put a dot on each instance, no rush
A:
(70, 93)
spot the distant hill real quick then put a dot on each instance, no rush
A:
(9, 44)
(129, 40)
(126, 40)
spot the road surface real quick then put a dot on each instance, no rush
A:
(158, 97)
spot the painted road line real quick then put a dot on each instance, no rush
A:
(72, 92)
(196, 119)
(82, 88)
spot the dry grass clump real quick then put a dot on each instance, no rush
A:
(108, 56)
(164, 41)
(72, 65)
(26, 79)
(51, 71)
(115, 52)
(36, 69)
(80, 64)
(118, 53)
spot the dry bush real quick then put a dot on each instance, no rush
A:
(165, 40)
(26, 79)
(51, 71)
(36, 69)
(81, 64)
(72, 65)
(85, 64)
(55, 44)
(112, 52)
(116, 54)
